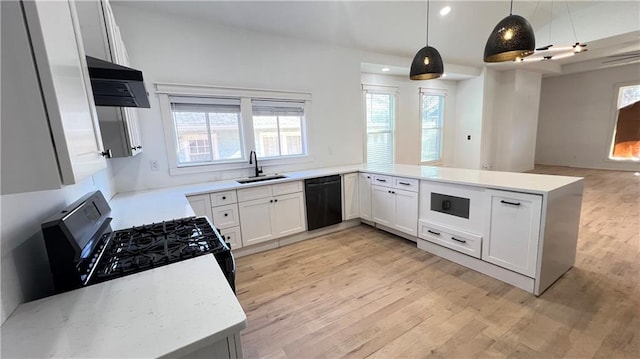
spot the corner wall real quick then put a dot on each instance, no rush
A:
(407, 125)
(577, 114)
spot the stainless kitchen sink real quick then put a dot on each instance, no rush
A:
(259, 179)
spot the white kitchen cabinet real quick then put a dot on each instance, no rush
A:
(225, 216)
(514, 230)
(270, 218)
(406, 211)
(256, 224)
(201, 205)
(102, 39)
(382, 205)
(288, 214)
(350, 198)
(233, 236)
(395, 208)
(364, 195)
(50, 135)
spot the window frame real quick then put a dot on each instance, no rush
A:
(432, 92)
(382, 90)
(614, 122)
(165, 91)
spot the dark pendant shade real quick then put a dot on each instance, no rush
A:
(512, 38)
(422, 71)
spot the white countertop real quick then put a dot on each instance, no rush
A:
(166, 311)
(143, 207)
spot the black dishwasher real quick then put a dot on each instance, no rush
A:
(324, 201)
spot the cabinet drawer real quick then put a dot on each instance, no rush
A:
(233, 236)
(223, 198)
(285, 188)
(249, 194)
(467, 243)
(407, 184)
(380, 180)
(225, 216)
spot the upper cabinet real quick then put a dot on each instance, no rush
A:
(119, 125)
(50, 134)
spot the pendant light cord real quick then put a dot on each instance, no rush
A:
(511, 8)
(571, 20)
(550, 23)
(427, 23)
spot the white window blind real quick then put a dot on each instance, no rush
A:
(278, 128)
(431, 123)
(208, 130)
(380, 114)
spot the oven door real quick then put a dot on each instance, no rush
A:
(228, 265)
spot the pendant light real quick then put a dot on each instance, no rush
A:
(427, 64)
(512, 38)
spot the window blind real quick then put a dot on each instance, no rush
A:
(379, 108)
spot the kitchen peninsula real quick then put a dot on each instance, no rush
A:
(520, 228)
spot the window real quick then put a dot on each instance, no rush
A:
(211, 128)
(207, 130)
(379, 113)
(278, 128)
(431, 118)
(625, 144)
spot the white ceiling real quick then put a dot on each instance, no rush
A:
(398, 27)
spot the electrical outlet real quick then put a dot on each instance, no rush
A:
(154, 165)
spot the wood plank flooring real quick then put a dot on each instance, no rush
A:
(365, 293)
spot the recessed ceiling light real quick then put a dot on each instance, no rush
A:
(386, 69)
(445, 10)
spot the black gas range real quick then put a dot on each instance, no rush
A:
(83, 250)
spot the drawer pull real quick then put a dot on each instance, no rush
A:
(405, 183)
(432, 232)
(381, 180)
(511, 203)
(226, 214)
(459, 240)
(224, 197)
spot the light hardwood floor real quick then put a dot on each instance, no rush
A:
(365, 293)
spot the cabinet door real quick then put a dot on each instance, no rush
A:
(62, 68)
(364, 195)
(382, 205)
(255, 221)
(201, 205)
(288, 214)
(514, 229)
(406, 211)
(350, 196)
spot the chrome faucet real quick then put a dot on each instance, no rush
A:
(253, 156)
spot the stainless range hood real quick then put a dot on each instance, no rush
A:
(116, 85)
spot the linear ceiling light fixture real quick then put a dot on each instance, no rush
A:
(551, 52)
(427, 64)
(512, 38)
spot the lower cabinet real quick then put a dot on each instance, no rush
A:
(514, 230)
(395, 208)
(201, 205)
(364, 195)
(232, 236)
(270, 218)
(350, 196)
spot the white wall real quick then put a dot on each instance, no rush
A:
(469, 118)
(516, 97)
(25, 273)
(577, 116)
(407, 126)
(182, 50)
